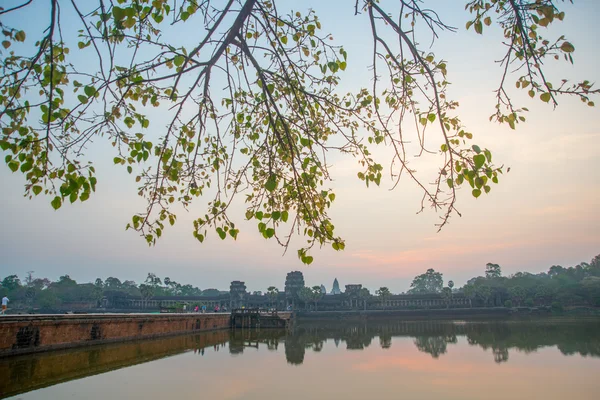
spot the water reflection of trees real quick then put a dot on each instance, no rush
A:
(434, 337)
(581, 337)
(434, 345)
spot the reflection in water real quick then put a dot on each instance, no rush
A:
(435, 338)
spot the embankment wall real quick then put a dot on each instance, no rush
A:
(28, 334)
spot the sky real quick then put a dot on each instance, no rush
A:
(543, 213)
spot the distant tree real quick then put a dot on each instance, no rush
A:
(591, 286)
(273, 294)
(543, 294)
(48, 299)
(66, 280)
(517, 294)
(429, 282)
(484, 292)
(41, 283)
(98, 283)
(211, 292)
(383, 293)
(317, 295)
(450, 284)
(306, 295)
(153, 280)
(147, 292)
(555, 271)
(113, 283)
(447, 296)
(29, 278)
(470, 293)
(492, 271)
(130, 287)
(11, 282)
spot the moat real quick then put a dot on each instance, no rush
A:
(550, 358)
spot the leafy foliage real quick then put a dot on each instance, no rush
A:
(267, 134)
(559, 287)
(429, 282)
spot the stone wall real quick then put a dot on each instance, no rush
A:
(28, 334)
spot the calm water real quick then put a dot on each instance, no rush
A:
(547, 359)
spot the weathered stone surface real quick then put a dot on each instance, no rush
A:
(27, 334)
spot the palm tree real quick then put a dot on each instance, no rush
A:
(383, 293)
(273, 293)
(317, 295)
(469, 291)
(306, 295)
(447, 296)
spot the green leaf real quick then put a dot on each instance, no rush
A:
(20, 36)
(178, 60)
(567, 47)
(118, 13)
(89, 91)
(13, 165)
(431, 117)
(476, 193)
(479, 160)
(271, 183)
(275, 215)
(36, 190)
(82, 99)
(476, 149)
(56, 203)
(545, 97)
(307, 260)
(269, 232)
(222, 233)
(284, 216)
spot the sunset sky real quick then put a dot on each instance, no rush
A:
(544, 212)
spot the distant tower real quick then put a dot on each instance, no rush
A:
(336, 287)
(294, 281)
(237, 294)
(323, 289)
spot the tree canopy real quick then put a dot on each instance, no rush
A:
(429, 282)
(253, 105)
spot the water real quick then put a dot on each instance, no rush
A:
(540, 359)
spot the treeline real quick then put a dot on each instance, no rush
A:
(559, 287)
(42, 293)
